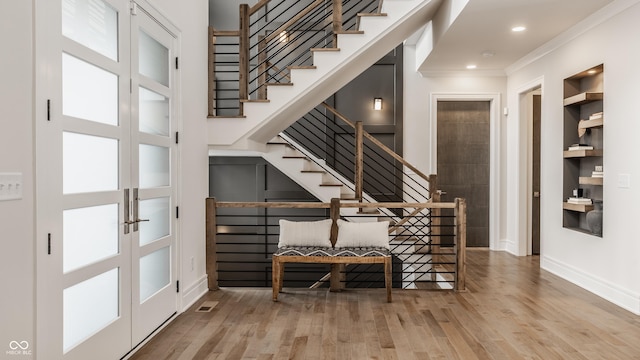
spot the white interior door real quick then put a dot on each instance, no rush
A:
(106, 163)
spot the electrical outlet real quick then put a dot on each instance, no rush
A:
(10, 186)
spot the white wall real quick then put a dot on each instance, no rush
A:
(607, 266)
(16, 155)
(191, 17)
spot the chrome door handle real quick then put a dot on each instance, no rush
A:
(141, 220)
(442, 192)
(125, 205)
(536, 194)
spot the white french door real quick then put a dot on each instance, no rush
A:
(107, 177)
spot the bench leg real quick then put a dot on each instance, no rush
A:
(276, 277)
(336, 282)
(387, 277)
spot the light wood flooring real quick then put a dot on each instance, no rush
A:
(512, 310)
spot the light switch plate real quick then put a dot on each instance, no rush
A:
(624, 181)
(10, 186)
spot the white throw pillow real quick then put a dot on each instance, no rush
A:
(305, 233)
(363, 234)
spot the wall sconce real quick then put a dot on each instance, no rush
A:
(284, 36)
(377, 104)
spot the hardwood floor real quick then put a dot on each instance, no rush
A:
(512, 310)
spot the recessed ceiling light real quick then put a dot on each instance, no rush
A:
(488, 53)
(518, 28)
(592, 71)
(471, 66)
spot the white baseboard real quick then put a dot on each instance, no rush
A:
(194, 292)
(622, 297)
(504, 245)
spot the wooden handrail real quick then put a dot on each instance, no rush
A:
(379, 144)
(258, 6)
(324, 205)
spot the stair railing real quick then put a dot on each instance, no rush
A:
(233, 237)
(273, 37)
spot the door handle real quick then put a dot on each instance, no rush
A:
(127, 210)
(536, 194)
(441, 192)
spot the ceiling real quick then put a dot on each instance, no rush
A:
(484, 27)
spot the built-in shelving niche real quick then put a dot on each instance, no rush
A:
(583, 97)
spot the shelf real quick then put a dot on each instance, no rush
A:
(581, 153)
(583, 208)
(584, 231)
(589, 124)
(583, 98)
(587, 180)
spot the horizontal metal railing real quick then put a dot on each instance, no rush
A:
(241, 237)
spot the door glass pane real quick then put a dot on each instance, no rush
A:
(154, 113)
(89, 92)
(158, 213)
(92, 23)
(88, 307)
(90, 234)
(154, 59)
(90, 163)
(154, 166)
(154, 272)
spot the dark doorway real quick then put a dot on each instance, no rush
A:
(463, 162)
(535, 175)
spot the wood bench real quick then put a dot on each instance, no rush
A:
(337, 257)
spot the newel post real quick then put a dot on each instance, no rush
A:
(359, 160)
(460, 214)
(338, 275)
(337, 20)
(211, 69)
(436, 232)
(212, 262)
(244, 55)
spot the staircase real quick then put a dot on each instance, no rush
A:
(332, 68)
(260, 127)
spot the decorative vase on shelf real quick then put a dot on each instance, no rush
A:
(594, 218)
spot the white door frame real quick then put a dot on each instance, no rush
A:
(525, 162)
(494, 153)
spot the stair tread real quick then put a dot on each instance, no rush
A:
(226, 116)
(331, 184)
(254, 100)
(280, 84)
(325, 49)
(294, 157)
(372, 14)
(301, 67)
(357, 32)
(313, 171)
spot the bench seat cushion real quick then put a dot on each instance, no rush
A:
(325, 251)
